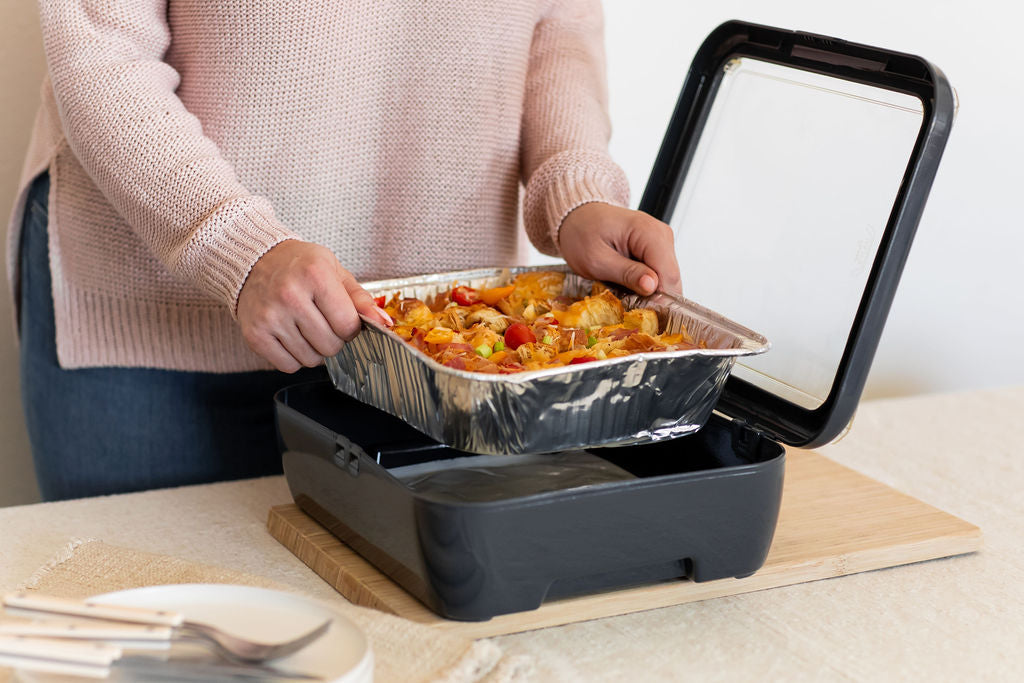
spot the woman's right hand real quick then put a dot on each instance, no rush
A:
(298, 305)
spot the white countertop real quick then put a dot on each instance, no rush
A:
(953, 619)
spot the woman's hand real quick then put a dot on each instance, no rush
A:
(605, 242)
(298, 305)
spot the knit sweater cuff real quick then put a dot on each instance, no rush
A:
(564, 182)
(230, 242)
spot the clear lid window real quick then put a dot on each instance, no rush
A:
(783, 208)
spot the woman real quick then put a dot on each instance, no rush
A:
(222, 174)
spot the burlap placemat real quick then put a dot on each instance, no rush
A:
(404, 652)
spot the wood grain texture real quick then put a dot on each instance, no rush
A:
(833, 522)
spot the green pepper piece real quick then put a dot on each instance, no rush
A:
(499, 345)
(547, 339)
(591, 340)
(484, 350)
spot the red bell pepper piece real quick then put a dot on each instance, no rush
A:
(465, 296)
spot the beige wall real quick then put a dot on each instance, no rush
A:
(21, 70)
(960, 298)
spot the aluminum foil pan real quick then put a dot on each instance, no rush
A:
(619, 401)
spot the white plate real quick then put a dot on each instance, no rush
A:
(342, 655)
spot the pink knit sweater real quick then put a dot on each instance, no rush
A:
(186, 138)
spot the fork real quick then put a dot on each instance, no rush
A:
(155, 625)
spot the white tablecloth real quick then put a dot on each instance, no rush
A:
(954, 619)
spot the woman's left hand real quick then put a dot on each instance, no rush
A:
(605, 242)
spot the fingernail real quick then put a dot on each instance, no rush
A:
(648, 283)
(384, 316)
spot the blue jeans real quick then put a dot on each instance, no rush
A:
(97, 431)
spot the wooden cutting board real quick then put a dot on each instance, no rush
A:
(833, 521)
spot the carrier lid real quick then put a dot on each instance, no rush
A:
(794, 172)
